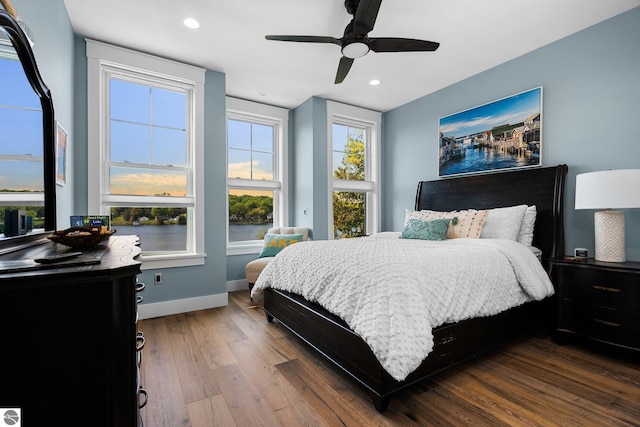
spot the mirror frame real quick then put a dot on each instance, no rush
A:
(27, 59)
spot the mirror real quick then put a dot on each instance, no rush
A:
(27, 138)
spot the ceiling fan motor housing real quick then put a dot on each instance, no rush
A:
(351, 6)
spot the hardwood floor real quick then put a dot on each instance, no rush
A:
(228, 367)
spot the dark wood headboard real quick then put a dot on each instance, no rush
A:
(542, 187)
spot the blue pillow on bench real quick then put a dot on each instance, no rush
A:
(274, 243)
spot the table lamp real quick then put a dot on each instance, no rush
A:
(610, 189)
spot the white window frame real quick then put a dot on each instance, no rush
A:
(370, 121)
(240, 109)
(102, 61)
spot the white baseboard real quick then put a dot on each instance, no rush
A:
(166, 308)
(237, 285)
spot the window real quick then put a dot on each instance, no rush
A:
(146, 145)
(354, 144)
(21, 149)
(256, 172)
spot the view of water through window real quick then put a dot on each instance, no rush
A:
(171, 237)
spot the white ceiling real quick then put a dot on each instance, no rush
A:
(474, 36)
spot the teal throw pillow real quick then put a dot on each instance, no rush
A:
(274, 243)
(427, 230)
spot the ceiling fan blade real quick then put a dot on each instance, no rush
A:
(306, 39)
(365, 17)
(393, 44)
(343, 69)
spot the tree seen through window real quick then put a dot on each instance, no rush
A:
(349, 207)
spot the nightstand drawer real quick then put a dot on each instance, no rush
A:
(614, 326)
(601, 287)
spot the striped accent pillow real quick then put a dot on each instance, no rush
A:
(470, 221)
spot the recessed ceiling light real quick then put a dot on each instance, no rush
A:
(374, 82)
(191, 23)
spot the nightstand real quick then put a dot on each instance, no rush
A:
(599, 301)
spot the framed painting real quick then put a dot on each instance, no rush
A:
(502, 134)
(62, 139)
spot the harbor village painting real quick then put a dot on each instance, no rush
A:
(502, 134)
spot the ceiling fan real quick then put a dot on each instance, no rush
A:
(356, 43)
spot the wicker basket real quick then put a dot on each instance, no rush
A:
(81, 237)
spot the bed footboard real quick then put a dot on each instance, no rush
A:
(453, 343)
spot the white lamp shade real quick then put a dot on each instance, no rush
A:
(610, 189)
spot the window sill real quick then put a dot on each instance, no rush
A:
(245, 249)
(150, 262)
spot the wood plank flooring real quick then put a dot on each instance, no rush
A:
(228, 367)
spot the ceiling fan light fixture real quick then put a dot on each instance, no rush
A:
(191, 23)
(355, 50)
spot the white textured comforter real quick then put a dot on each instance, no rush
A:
(393, 291)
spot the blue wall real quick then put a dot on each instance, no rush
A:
(308, 183)
(591, 93)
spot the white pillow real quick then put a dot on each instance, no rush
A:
(528, 223)
(410, 214)
(469, 221)
(504, 223)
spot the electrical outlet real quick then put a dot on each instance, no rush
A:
(157, 278)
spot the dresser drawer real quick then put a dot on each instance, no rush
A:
(614, 289)
(613, 326)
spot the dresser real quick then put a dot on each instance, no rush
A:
(71, 349)
(599, 301)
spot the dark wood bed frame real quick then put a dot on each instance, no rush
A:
(453, 343)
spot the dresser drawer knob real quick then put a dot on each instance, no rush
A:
(143, 393)
(606, 323)
(140, 286)
(605, 288)
(140, 341)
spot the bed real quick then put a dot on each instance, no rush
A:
(451, 342)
